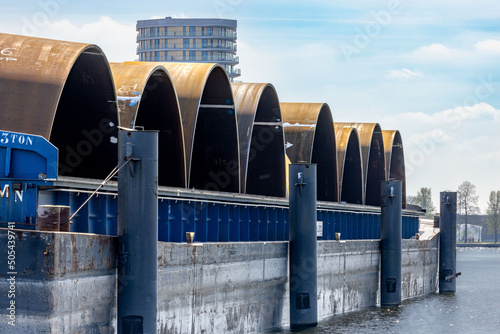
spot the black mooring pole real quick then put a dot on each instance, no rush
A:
(302, 243)
(137, 232)
(390, 244)
(448, 243)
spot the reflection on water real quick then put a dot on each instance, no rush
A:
(474, 308)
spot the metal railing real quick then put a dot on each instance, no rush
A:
(187, 34)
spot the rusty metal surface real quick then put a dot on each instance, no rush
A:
(350, 170)
(209, 125)
(147, 98)
(62, 91)
(310, 137)
(261, 138)
(394, 158)
(373, 159)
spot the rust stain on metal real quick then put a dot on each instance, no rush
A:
(394, 159)
(261, 138)
(310, 137)
(147, 97)
(372, 157)
(350, 171)
(62, 91)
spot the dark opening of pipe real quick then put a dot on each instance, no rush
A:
(324, 156)
(266, 161)
(352, 181)
(376, 168)
(215, 156)
(158, 110)
(85, 126)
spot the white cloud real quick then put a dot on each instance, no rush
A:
(404, 74)
(117, 40)
(489, 46)
(433, 50)
(450, 117)
(447, 147)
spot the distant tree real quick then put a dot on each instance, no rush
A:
(493, 212)
(424, 199)
(467, 201)
(411, 199)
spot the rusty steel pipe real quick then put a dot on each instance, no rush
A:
(310, 137)
(261, 138)
(394, 159)
(372, 157)
(350, 170)
(209, 125)
(147, 98)
(64, 92)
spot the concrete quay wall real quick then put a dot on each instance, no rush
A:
(67, 283)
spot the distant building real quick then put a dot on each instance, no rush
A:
(189, 40)
(473, 233)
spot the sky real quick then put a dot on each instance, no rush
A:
(430, 69)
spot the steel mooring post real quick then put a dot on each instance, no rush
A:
(302, 246)
(448, 243)
(390, 243)
(137, 232)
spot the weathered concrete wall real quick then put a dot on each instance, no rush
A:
(221, 288)
(66, 283)
(348, 276)
(419, 267)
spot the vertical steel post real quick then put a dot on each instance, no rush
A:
(448, 242)
(302, 246)
(137, 232)
(390, 243)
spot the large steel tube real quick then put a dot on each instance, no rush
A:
(209, 125)
(310, 138)
(448, 243)
(302, 246)
(395, 159)
(64, 92)
(372, 157)
(390, 243)
(262, 147)
(350, 170)
(147, 98)
(138, 232)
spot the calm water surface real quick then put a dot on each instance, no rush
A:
(474, 308)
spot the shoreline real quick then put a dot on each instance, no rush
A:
(477, 245)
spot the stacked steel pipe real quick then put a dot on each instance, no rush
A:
(213, 134)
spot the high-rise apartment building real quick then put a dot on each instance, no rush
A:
(189, 40)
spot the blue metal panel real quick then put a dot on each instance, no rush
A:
(263, 223)
(98, 212)
(223, 223)
(111, 215)
(272, 224)
(201, 222)
(81, 220)
(28, 157)
(280, 217)
(234, 223)
(254, 223)
(163, 226)
(175, 221)
(213, 222)
(244, 223)
(188, 214)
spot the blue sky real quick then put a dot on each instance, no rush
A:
(429, 69)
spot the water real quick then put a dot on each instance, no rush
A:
(474, 308)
